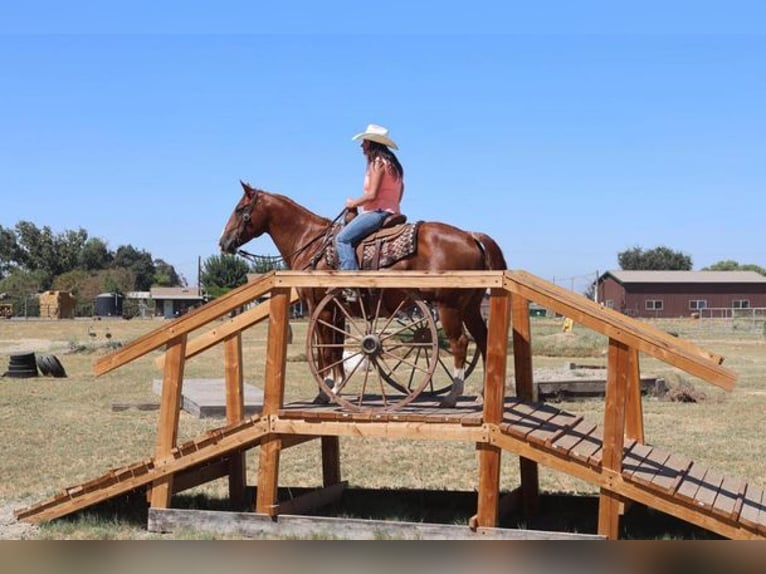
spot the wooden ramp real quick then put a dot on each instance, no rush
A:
(198, 457)
(565, 442)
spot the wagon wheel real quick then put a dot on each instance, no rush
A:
(365, 350)
(441, 381)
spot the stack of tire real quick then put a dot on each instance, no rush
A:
(26, 365)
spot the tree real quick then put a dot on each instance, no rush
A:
(658, 259)
(94, 255)
(139, 262)
(9, 250)
(731, 265)
(165, 274)
(222, 273)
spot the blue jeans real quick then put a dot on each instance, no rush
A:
(352, 233)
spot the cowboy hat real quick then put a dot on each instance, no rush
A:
(378, 134)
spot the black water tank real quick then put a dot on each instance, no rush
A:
(109, 305)
(22, 365)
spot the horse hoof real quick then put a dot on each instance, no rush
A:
(321, 399)
(449, 402)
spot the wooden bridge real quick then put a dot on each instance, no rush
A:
(613, 455)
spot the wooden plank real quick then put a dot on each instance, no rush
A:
(669, 477)
(389, 279)
(708, 489)
(573, 436)
(587, 447)
(532, 421)
(650, 466)
(553, 428)
(250, 525)
(633, 459)
(753, 504)
(628, 331)
(731, 492)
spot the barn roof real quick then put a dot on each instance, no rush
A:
(686, 276)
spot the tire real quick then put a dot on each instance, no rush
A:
(50, 366)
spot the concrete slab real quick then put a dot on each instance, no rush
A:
(206, 398)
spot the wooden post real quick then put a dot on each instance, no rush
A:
(494, 398)
(235, 412)
(167, 431)
(273, 398)
(614, 436)
(330, 460)
(634, 415)
(522, 361)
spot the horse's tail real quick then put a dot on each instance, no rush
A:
(493, 255)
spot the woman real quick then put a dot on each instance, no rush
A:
(381, 197)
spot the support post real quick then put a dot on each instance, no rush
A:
(167, 432)
(330, 460)
(522, 361)
(634, 415)
(614, 436)
(235, 413)
(494, 399)
(273, 398)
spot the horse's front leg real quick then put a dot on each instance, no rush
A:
(330, 337)
(452, 323)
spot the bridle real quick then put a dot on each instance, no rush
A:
(245, 216)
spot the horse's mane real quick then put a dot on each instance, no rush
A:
(293, 204)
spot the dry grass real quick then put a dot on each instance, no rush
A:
(56, 433)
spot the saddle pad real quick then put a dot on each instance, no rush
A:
(381, 249)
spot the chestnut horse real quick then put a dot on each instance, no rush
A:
(298, 235)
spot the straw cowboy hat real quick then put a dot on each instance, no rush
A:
(378, 134)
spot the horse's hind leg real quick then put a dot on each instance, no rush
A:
(452, 323)
(476, 326)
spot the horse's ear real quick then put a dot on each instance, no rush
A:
(249, 191)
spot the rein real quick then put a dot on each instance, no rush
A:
(277, 260)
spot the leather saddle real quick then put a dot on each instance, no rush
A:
(395, 240)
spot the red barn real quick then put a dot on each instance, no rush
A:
(671, 294)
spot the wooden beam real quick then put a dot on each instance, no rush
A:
(390, 279)
(618, 365)
(634, 413)
(330, 460)
(236, 324)
(523, 372)
(489, 485)
(167, 431)
(273, 398)
(235, 412)
(386, 430)
(494, 395)
(195, 319)
(251, 525)
(629, 331)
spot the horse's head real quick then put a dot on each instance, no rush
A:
(244, 223)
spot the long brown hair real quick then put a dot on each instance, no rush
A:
(378, 150)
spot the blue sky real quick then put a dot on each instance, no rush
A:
(569, 134)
